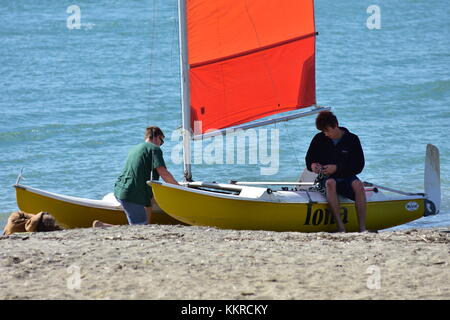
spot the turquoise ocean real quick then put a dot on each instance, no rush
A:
(73, 101)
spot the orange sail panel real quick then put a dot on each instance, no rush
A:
(249, 59)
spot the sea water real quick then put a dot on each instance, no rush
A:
(80, 80)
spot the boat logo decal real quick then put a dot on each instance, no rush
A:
(412, 206)
(324, 217)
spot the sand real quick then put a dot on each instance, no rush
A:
(180, 262)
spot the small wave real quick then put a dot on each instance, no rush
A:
(29, 133)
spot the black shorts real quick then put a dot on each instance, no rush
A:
(344, 186)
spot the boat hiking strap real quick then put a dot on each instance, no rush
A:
(369, 184)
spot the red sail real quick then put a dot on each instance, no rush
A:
(249, 59)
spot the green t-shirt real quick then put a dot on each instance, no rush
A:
(131, 185)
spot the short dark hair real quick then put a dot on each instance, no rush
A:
(152, 131)
(326, 119)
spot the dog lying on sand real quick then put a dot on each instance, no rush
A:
(24, 222)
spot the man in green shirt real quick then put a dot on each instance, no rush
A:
(145, 162)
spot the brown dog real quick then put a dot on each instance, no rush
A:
(24, 222)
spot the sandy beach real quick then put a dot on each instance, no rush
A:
(179, 262)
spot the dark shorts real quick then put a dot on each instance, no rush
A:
(344, 186)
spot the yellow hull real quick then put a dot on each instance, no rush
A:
(70, 214)
(208, 209)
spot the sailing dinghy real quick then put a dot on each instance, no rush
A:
(244, 60)
(75, 212)
(262, 64)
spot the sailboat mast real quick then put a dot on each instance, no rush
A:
(185, 96)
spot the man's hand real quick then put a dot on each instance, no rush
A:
(329, 169)
(316, 167)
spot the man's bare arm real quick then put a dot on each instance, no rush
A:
(166, 175)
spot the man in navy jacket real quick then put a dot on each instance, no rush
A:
(337, 153)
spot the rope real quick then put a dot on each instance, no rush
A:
(152, 43)
(319, 183)
(172, 42)
(292, 146)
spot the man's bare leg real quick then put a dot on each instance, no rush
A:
(360, 203)
(333, 203)
(99, 224)
(149, 214)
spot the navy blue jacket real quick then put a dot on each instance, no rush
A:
(347, 154)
